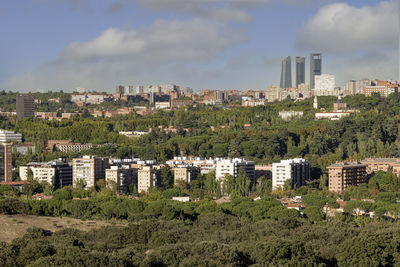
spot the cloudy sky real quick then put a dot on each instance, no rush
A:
(204, 44)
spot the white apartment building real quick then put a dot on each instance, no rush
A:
(232, 167)
(41, 172)
(55, 172)
(88, 169)
(298, 170)
(9, 136)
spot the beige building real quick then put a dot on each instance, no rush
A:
(185, 174)
(148, 176)
(382, 164)
(121, 177)
(345, 174)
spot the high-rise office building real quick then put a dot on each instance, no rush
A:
(25, 106)
(315, 68)
(5, 162)
(300, 70)
(286, 74)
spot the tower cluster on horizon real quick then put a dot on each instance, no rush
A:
(315, 70)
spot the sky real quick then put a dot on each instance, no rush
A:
(204, 44)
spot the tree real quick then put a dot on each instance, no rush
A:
(242, 184)
(228, 184)
(167, 178)
(314, 214)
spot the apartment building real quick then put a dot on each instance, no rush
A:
(121, 177)
(296, 170)
(232, 167)
(382, 164)
(56, 172)
(9, 136)
(345, 174)
(185, 174)
(148, 176)
(5, 162)
(89, 170)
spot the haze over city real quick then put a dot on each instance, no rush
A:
(215, 44)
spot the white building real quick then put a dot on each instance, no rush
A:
(232, 167)
(55, 172)
(89, 170)
(287, 115)
(9, 136)
(325, 85)
(298, 170)
(332, 115)
(163, 105)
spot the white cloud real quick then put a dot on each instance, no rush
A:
(340, 27)
(220, 10)
(122, 56)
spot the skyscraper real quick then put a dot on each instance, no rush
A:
(25, 106)
(300, 70)
(286, 74)
(315, 68)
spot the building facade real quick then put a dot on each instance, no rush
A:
(9, 136)
(300, 71)
(185, 174)
(147, 177)
(296, 170)
(88, 170)
(5, 162)
(56, 172)
(286, 73)
(315, 68)
(232, 167)
(121, 177)
(25, 107)
(382, 164)
(345, 174)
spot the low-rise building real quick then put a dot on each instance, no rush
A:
(345, 174)
(332, 115)
(288, 115)
(382, 164)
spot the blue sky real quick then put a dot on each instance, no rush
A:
(204, 44)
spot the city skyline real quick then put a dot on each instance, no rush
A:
(65, 44)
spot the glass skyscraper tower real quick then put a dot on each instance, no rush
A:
(315, 68)
(286, 74)
(300, 70)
